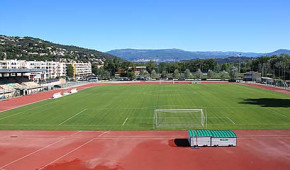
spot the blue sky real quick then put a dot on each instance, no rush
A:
(195, 25)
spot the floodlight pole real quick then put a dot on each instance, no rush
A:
(239, 62)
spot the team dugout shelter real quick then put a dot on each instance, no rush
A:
(212, 138)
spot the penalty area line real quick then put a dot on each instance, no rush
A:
(125, 121)
(230, 120)
(72, 117)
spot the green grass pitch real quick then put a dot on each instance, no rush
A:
(131, 107)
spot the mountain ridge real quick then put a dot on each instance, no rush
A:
(170, 55)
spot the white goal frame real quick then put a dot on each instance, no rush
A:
(203, 116)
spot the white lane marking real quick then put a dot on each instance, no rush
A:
(73, 150)
(72, 117)
(125, 121)
(231, 120)
(36, 151)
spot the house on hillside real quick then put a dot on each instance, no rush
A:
(138, 69)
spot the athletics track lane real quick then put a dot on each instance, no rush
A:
(142, 150)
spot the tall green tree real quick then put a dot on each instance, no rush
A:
(131, 74)
(150, 66)
(233, 72)
(198, 74)
(187, 74)
(210, 74)
(164, 74)
(105, 75)
(70, 71)
(176, 74)
(223, 74)
(153, 74)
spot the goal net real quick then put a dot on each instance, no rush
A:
(179, 118)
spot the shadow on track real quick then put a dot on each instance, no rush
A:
(179, 142)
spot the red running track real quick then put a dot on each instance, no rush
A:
(142, 150)
(25, 100)
(268, 88)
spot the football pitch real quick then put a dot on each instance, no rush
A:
(131, 107)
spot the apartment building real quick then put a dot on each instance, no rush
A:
(82, 69)
(53, 69)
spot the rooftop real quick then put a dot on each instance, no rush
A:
(213, 133)
(21, 70)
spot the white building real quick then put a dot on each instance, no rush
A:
(53, 69)
(82, 69)
(36, 65)
(12, 64)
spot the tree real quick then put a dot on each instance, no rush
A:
(112, 65)
(164, 74)
(153, 74)
(223, 74)
(233, 72)
(70, 71)
(210, 74)
(173, 67)
(208, 64)
(225, 67)
(131, 75)
(176, 74)
(162, 67)
(146, 74)
(150, 66)
(198, 74)
(105, 75)
(187, 73)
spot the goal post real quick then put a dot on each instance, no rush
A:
(179, 118)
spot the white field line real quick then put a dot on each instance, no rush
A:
(72, 117)
(216, 117)
(114, 125)
(230, 120)
(276, 112)
(24, 110)
(73, 150)
(125, 121)
(37, 151)
(23, 105)
(43, 99)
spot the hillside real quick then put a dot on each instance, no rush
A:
(170, 55)
(29, 48)
(278, 52)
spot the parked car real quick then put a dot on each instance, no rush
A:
(181, 79)
(93, 79)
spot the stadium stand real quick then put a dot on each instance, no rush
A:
(16, 86)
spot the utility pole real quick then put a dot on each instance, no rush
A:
(239, 62)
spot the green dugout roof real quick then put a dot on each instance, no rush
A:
(212, 133)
